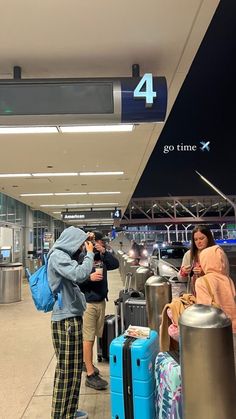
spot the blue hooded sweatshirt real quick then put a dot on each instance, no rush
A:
(65, 273)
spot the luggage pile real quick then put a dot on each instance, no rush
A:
(144, 383)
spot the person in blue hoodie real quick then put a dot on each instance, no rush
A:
(66, 275)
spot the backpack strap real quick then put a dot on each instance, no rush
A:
(57, 294)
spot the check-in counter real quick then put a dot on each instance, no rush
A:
(10, 282)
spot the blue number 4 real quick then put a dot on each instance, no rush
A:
(147, 93)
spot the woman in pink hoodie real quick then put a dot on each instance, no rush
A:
(216, 281)
(216, 285)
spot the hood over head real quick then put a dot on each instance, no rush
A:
(70, 240)
(214, 260)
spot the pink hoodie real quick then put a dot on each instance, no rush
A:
(214, 263)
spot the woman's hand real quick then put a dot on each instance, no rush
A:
(186, 269)
(197, 269)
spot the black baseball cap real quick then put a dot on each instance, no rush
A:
(98, 235)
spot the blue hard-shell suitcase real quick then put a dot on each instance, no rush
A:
(132, 379)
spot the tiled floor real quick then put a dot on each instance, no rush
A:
(27, 362)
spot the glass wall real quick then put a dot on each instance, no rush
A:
(11, 210)
(44, 223)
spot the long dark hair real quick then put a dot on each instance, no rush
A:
(210, 240)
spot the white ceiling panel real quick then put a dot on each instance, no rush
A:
(78, 38)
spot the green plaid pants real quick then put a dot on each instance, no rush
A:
(68, 345)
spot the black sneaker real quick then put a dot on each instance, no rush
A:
(96, 382)
(96, 370)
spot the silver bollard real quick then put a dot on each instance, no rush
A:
(207, 363)
(158, 294)
(140, 277)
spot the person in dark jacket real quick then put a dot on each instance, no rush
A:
(95, 290)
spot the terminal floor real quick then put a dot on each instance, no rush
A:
(27, 362)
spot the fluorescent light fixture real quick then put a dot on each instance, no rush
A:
(97, 128)
(15, 175)
(100, 173)
(56, 212)
(103, 193)
(69, 193)
(53, 174)
(28, 130)
(36, 194)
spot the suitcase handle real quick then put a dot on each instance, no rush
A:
(128, 280)
(118, 302)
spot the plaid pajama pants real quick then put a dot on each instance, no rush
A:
(68, 345)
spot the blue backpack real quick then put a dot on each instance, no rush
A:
(43, 297)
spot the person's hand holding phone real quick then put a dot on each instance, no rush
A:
(186, 269)
(197, 269)
(88, 246)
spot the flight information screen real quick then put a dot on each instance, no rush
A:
(56, 98)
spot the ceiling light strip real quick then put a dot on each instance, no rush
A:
(51, 174)
(97, 128)
(67, 129)
(68, 193)
(12, 175)
(100, 173)
(103, 193)
(36, 194)
(54, 174)
(28, 130)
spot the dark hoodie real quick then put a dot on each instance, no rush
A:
(65, 272)
(96, 291)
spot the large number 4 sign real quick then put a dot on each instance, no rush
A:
(148, 93)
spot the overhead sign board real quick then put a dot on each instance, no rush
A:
(82, 101)
(86, 215)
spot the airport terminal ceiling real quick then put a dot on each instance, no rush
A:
(88, 40)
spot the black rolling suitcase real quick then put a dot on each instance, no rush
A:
(128, 292)
(135, 312)
(112, 328)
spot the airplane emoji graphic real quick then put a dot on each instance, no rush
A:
(205, 145)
